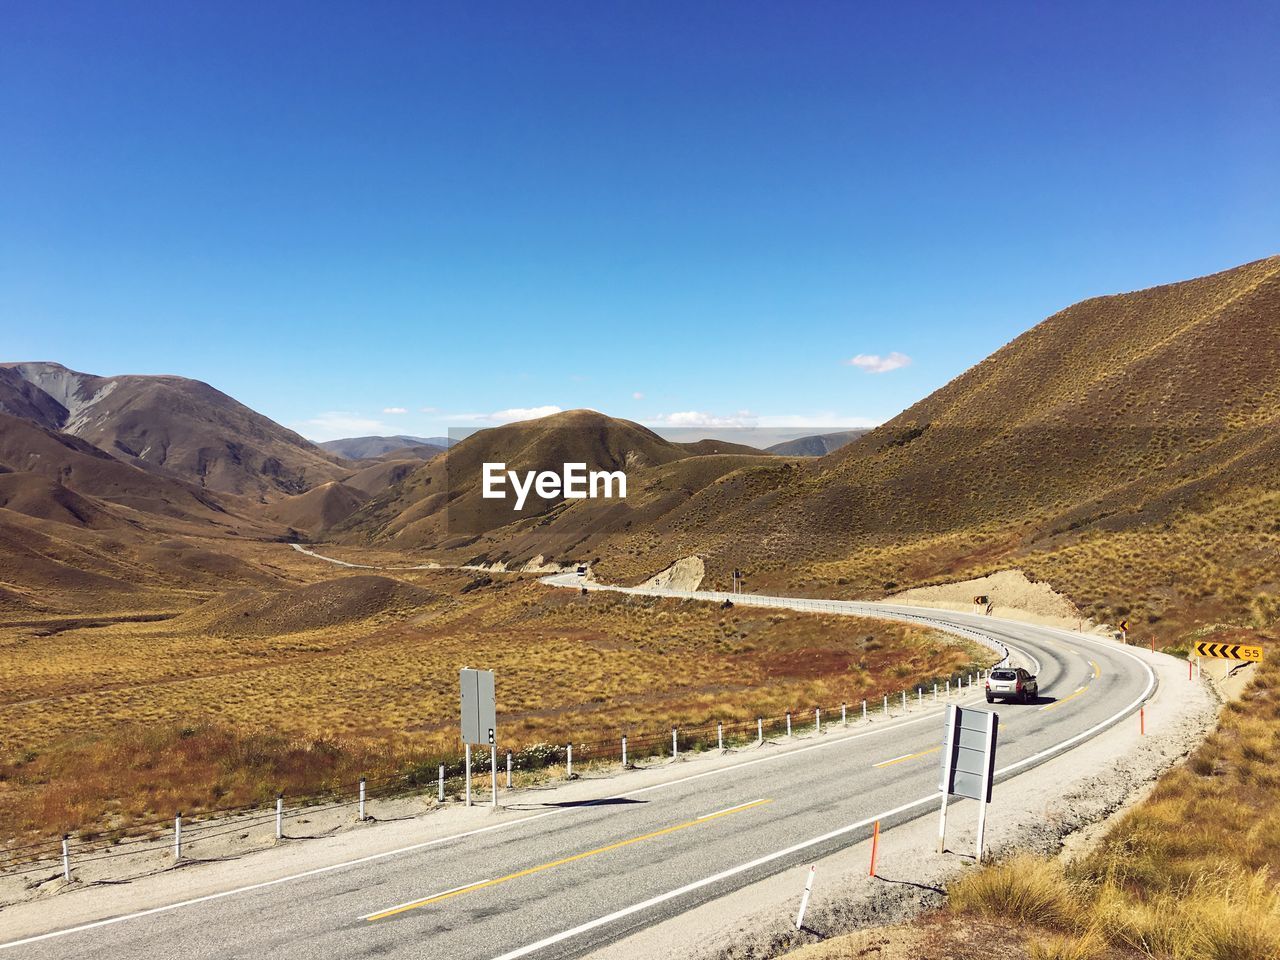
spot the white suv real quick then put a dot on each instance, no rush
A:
(1011, 683)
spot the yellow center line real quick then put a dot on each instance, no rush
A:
(480, 885)
(909, 756)
(1097, 670)
(1058, 703)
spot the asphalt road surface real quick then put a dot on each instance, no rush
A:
(572, 878)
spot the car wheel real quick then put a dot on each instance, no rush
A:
(990, 699)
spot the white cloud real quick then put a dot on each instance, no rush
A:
(874, 363)
(429, 410)
(337, 424)
(697, 418)
(637, 395)
(394, 410)
(510, 415)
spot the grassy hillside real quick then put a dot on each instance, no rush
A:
(1125, 449)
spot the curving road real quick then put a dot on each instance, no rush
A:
(570, 877)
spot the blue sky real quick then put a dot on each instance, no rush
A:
(665, 211)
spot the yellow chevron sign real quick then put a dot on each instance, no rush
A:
(1228, 651)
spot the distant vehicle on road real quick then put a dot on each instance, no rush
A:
(582, 570)
(1012, 683)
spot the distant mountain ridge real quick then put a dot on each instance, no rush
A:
(818, 445)
(183, 427)
(369, 448)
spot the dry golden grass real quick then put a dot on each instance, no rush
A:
(209, 709)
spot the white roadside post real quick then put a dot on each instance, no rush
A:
(788, 723)
(66, 858)
(493, 775)
(844, 714)
(675, 745)
(442, 783)
(904, 701)
(177, 836)
(279, 816)
(987, 772)
(624, 751)
(886, 705)
(720, 736)
(760, 730)
(361, 817)
(817, 720)
(920, 697)
(864, 711)
(568, 762)
(947, 750)
(804, 899)
(467, 775)
(508, 769)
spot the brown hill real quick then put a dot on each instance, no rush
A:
(1091, 451)
(181, 426)
(328, 603)
(319, 509)
(72, 463)
(376, 478)
(441, 503)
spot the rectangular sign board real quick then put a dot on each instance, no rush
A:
(969, 753)
(1228, 651)
(479, 706)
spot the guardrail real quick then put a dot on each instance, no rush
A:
(184, 835)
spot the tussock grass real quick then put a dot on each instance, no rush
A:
(1026, 889)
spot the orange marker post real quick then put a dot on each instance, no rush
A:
(875, 848)
(1142, 721)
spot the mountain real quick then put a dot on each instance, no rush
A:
(81, 531)
(440, 505)
(818, 445)
(319, 509)
(368, 448)
(1126, 449)
(182, 427)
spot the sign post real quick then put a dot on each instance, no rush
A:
(968, 765)
(1124, 631)
(479, 720)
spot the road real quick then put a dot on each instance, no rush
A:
(571, 877)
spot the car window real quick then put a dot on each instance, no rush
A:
(1004, 675)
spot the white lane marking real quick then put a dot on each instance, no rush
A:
(832, 742)
(803, 845)
(885, 763)
(736, 806)
(705, 881)
(434, 896)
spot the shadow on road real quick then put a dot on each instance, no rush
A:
(607, 802)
